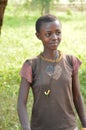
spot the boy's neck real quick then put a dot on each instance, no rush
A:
(51, 55)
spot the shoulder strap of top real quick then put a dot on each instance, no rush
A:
(68, 59)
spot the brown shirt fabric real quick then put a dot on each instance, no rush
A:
(53, 110)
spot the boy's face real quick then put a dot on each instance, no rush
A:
(50, 35)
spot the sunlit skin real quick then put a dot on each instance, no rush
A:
(50, 35)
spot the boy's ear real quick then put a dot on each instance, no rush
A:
(38, 35)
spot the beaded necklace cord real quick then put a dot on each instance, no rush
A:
(48, 91)
(49, 60)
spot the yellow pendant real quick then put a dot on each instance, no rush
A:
(47, 93)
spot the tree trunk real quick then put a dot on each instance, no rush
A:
(45, 6)
(3, 4)
(81, 5)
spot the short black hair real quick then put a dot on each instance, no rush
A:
(44, 19)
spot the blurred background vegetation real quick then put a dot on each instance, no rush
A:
(18, 43)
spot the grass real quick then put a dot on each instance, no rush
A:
(18, 43)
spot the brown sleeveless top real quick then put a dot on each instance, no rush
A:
(51, 83)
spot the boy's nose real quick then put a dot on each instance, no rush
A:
(54, 36)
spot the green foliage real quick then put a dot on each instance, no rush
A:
(69, 12)
(44, 5)
(18, 43)
(71, 0)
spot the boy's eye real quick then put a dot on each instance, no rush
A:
(58, 33)
(48, 34)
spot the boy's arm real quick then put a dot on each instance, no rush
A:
(77, 98)
(22, 102)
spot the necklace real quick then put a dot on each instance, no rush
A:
(50, 71)
(49, 60)
(47, 93)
